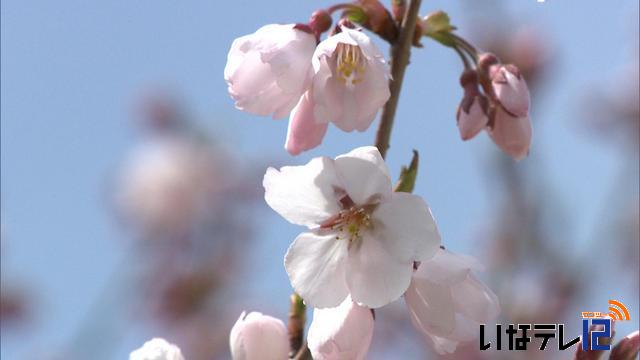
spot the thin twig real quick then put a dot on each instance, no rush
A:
(400, 53)
(304, 353)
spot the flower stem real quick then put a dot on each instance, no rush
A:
(400, 52)
(295, 327)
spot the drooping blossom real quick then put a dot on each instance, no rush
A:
(627, 348)
(472, 111)
(350, 81)
(363, 238)
(167, 183)
(447, 302)
(343, 332)
(157, 349)
(268, 71)
(511, 134)
(258, 337)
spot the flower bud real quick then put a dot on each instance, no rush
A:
(343, 332)
(320, 21)
(472, 111)
(157, 349)
(511, 89)
(486, 61)
(258, 337)
(511, 134)
(437, 22)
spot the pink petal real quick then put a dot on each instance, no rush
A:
(257, 336)
(471, 123)
(343, 332)
(304, 132)
(512, 135)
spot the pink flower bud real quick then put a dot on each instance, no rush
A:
(343, 332)
(472, 111)
(268, 71)
(472, 117)
(511, 134)
(304, 131)
(511, 89)
(259, 337)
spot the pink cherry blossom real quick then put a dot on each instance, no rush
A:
(268, 71)
(447, 303)
(350, 81)
(343, 332)
(304, 131)
(157, 349)
(363, 238)
(258, 337)
(511, 89)
(511, 134)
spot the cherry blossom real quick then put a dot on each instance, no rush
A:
(268, 71)
(446, 301)
(350, 81)
(258, 337)
(343, 332)
(363, 238)
(157, 349)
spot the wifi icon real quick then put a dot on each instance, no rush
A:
(618, 311)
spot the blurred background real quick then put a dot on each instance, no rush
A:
(131, 187)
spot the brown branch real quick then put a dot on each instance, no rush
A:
(400, 52)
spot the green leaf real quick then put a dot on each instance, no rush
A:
(408, 175)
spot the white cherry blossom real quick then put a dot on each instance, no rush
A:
(351, 80)
(363, 238)
(447, 302)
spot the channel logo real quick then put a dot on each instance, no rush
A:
(618, 311)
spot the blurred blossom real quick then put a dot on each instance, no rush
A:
(343, 332)
(167, 184)
(447, 302)
(157, 349)
(363, 237)
(259, 337)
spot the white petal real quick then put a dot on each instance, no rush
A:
(316, 267)
(443, 346)
(375, 277)
(431, 307)
(406, 227)
(343, 332)
(304, 195)
(364, 175)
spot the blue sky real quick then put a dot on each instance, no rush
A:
(71, 70)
